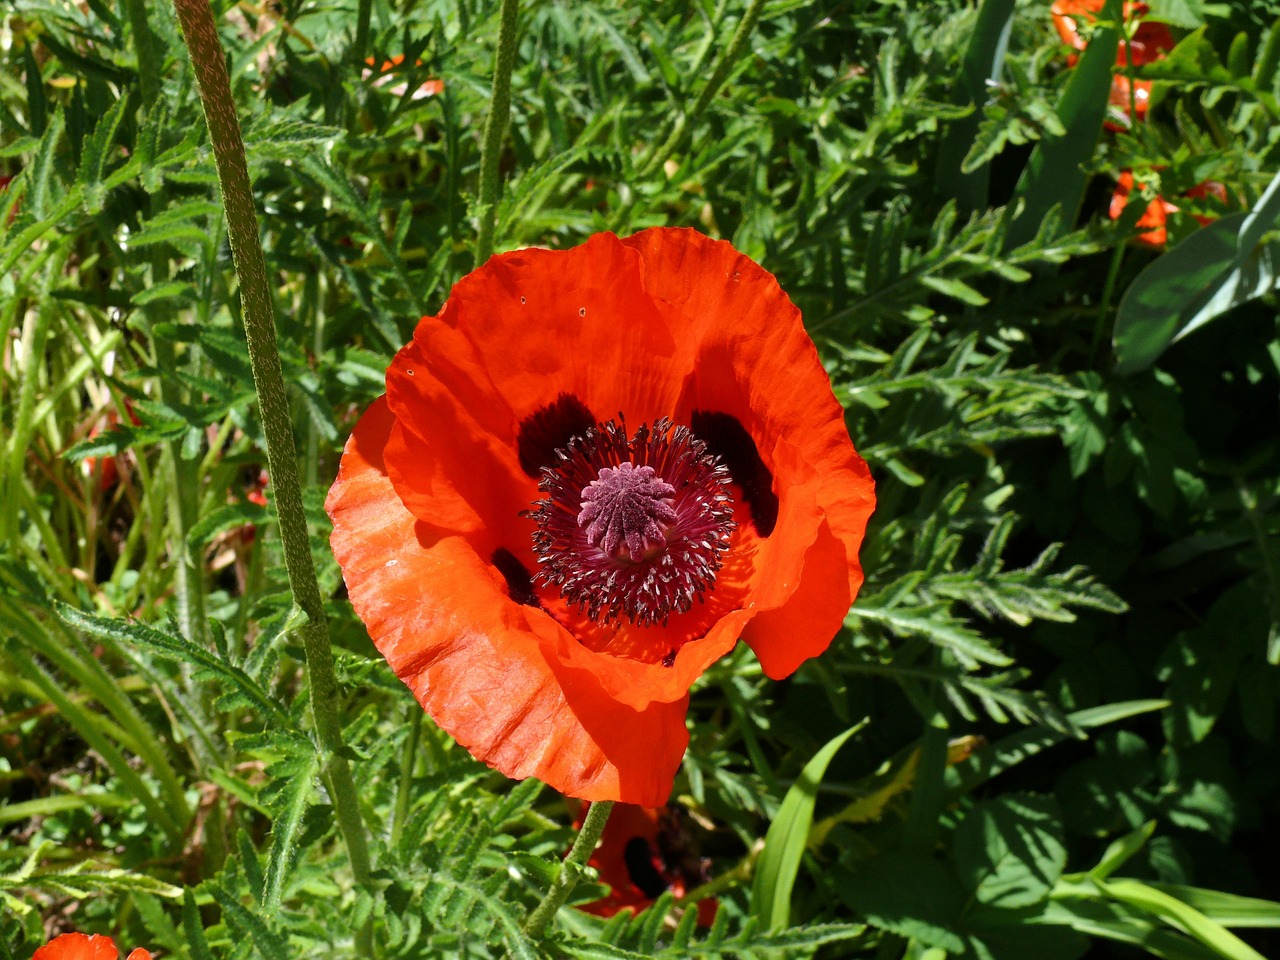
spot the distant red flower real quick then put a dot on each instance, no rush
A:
(106, 469)
(548, 581)
(77, 946)
(432, 87)
(644, 853)
(256, 491)
(1148, 42)
(5, 180)
(1154, 219)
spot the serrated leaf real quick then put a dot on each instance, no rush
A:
(227, 517)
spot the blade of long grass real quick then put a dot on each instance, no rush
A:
(784, 844)
(1054, 176)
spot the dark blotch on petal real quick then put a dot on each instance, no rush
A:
(548, 429)
(638, 856)
(727, 438)
(519, 580)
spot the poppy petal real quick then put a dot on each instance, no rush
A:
(78, 946)
(764, 372)
(477, 660)
(538, 323)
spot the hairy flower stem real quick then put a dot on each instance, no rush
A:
(571, 869)
(200, 32)
(729, 58)
(495, 128)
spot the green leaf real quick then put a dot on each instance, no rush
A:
(1012, 750)
(1054, 176)
(1120, 851)
(229, 516)
(1213, 935)
(788, 835)
(1187, 14)
(172, 647)
(911, 894)
(983, 63)
(1225, 908)
(1216, 268)
(42, 168)
(1010, 851)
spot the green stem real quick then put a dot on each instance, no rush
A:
(495, 128)
(1104, 308)
(207, 57)
(729, 58)
(362, 33)
(571, 869)
(144, 42)
(34, 338)
(408, 760)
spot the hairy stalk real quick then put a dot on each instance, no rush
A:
(570, 871)
(728, 59)
(495, 128)
(214, 85)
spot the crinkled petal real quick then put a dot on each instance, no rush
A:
(761, 369)
(478, 661)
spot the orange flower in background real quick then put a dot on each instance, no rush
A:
(590, 475)
(77, 946)
(428, 88)
(643, 853)
(1155, 218)
(1148, 42)
(5, 180)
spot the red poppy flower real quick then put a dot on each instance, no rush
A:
(591, 474)
(1154, 219)
(5, 180)
(428, 88)
(77, 946)
(643, 853)
(1148, 42)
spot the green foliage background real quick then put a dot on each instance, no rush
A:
(1064, 667)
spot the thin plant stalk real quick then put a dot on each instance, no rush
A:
(144, 45)
(495, 128)
(571, 868)
(361, 43)
(729, 58)
(207, 57)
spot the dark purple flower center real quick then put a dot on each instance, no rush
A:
(633, 526)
